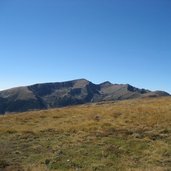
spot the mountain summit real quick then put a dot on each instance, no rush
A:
(51, 95)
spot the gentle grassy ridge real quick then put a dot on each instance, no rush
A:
(125, 135)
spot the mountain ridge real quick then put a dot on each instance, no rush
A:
(60, 94)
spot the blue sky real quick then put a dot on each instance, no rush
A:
(123, 41)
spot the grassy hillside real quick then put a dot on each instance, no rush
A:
(128, 135)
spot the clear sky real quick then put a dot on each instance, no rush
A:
(122, 41)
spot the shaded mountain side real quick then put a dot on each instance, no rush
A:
(51, 95)
(2, 105)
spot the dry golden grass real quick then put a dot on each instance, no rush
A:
(125, 135)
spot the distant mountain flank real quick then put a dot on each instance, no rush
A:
(60, 94)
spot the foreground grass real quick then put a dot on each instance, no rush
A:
(126, 135)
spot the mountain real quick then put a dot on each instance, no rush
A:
(51, 95)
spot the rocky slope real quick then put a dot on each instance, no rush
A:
(51, 95)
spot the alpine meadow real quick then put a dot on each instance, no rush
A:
(85, 85)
